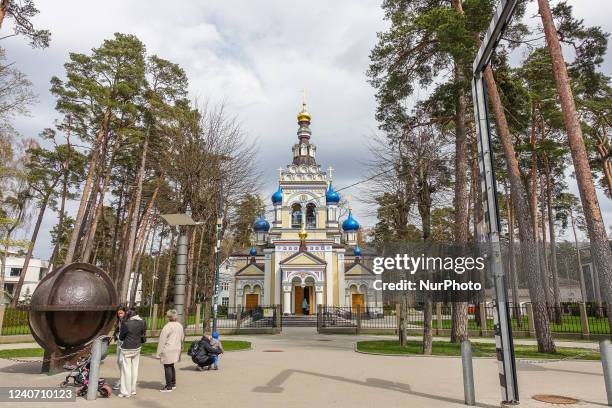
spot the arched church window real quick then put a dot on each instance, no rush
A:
(311, 216)
(296, 215)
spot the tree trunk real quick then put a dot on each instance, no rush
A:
(129, 255)
(4, 5)
(603, 148)
(78, 222)
(518, 314)
(580, 273)
(600, 247)
(190, 268)
(164, 294)
(427, 328)
(89, 240)
(194, 289)
(28, 257)
(553, 243)
(526, 233)
(60, 223)
(459, 330)
(543, 256)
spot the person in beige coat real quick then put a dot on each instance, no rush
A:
(169, 348)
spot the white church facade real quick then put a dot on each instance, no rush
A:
(305, 255)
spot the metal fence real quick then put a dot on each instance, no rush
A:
(566, 319)
(335, 316)
(15, 322)
(569, 319)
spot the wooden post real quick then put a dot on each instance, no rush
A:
(584, 320)
(358, 319)
(154, 318)
(483, 318)
(207, 312)
(401, 328)
(238, 316)
(2, 310)
(530, 320)
(397, 316)
(197, 317)
(438, 318)
(279, 317)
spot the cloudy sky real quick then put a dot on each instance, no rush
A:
(256, 57)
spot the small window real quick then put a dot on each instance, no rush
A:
(15, 272)
(225, 301)
(296, 216)
(311, 216)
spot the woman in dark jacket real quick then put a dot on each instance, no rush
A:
(120, 316)
(132, 335)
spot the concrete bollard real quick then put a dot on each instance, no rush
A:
(358, 330)
(154, 317)
(238, 316)
(94, 369)
(468, 373)
(2, 310)
(198, 315)
(605, 348)
(530, 320)
(584, 321)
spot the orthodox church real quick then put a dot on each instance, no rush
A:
(305, 255)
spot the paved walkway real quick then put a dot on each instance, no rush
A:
(300, 368)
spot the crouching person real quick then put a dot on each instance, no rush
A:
(169, 348)
(203, 352)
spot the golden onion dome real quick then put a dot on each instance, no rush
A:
(303, 116)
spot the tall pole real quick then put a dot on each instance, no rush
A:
(218, 256)
(181, 274)
(153, 278)
(503, 331)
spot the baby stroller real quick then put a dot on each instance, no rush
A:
(79, 375)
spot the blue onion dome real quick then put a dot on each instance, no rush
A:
(350, 224)
(357, 251)
(253, 251)
(277, 197)
(332, 196)
(261, 224)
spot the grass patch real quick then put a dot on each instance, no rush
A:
(147, 348)
(442, 348)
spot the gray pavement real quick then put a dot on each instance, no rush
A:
(300, 368)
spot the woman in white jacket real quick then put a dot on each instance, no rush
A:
(169, 348)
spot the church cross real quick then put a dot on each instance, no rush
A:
(330, 169)
(280, 172)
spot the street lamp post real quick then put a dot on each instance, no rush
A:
(218, 257)
(180, 276)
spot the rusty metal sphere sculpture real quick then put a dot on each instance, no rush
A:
(69, 308)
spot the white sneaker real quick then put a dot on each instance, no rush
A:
(133, 392)
(123, 396)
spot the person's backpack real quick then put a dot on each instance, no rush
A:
(193, 349)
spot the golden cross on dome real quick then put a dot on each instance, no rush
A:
(280, 172)
(349, 198)
(304, 97)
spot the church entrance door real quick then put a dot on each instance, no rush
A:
(251, 301)
(301, 293)
(357, 300)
